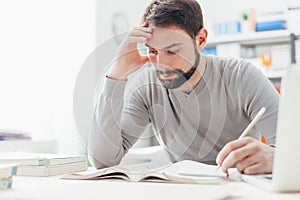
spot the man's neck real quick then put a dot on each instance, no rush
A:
(188, 86)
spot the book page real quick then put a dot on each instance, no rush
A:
(40, 159)
(193, 168)
(138, 172)
(181, 172)
(130, 172)
(154, 176)
(186, 172)
(194, 172)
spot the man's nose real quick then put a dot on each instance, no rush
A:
(163, 61)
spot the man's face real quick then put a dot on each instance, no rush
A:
(173, 53)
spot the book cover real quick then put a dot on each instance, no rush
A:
(271, 25)
(40, 159)
(7, 170)
(51, 170)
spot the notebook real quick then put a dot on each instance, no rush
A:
(286, 165)
(186, 171)
(40, 159)
(51, 170)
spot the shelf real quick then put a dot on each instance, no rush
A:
(279, 36)
(272, 72)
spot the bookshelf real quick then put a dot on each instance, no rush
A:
(254, 38)
(279, 44)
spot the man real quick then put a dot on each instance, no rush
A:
(198, 105)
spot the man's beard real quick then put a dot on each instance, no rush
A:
(182, 77)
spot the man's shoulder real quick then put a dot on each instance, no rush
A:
(230, 67)
(231, 64)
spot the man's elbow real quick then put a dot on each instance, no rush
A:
(99, 164)
(95, 163)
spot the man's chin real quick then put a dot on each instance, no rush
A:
(169, 86)
(170, 83)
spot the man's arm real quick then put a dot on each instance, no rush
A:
(116, 127)
(249, 155)
(257, 91)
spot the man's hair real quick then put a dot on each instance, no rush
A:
(184, 14)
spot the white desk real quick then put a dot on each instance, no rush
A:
(29, 188)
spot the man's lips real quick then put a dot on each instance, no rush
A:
(168, 75)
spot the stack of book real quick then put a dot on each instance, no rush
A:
(271, 21)
(40, 164)
(6, 175)
(14, 135)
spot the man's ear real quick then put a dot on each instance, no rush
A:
(201, 38)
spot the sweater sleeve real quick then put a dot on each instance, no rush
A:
(116, 126)
(257, 92)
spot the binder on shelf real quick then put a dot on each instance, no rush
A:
(271, 25)
(8, 134)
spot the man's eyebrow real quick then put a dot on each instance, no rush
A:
(167, 47)
(173, 45)
(147, 45)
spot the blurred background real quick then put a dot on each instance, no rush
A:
(44, 43)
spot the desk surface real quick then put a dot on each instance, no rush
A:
(29, 188)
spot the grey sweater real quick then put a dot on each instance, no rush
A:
(193, 126)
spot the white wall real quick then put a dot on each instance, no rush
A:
(43, 44)
(105, 11)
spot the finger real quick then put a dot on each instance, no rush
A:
(247, 162)
(236, 156)
(229, 147)
(258, 168)
(139, 33)
(141, 28)
(132, 39)
(143, 60)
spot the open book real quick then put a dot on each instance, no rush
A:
(181, 172)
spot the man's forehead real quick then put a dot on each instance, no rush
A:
(173, 31)
(168, 37)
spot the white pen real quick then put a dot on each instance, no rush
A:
(250, 126)
(253, 122)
